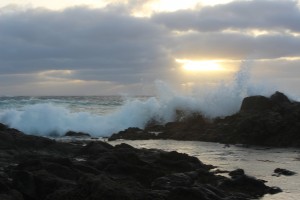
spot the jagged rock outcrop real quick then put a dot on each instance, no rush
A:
(76, 134)
(268, 121)
(36, 168)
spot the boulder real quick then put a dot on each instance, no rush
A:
(240, 182)
(77, 134)
(132, 133)
(95, 148)
(256, 103)
(280, 98)
(285, 172)
(172, 181)
(237, 172)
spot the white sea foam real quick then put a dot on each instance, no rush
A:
(51, 118)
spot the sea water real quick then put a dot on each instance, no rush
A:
(101, 115)
(104, 115)
(55, 115)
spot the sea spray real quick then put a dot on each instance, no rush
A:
(52, 118)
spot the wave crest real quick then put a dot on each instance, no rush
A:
(51, 119)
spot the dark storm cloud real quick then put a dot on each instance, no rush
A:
(257, 14)
(109, 42)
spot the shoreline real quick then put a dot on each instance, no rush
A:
(35, 167)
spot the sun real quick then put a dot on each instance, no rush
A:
(200, 66)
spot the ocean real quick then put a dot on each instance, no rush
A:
(103, 115)
(55, 115)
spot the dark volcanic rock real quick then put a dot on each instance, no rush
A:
(272, 122)
(190, 127)
(173, 180)
(237, 172)
(240, 183)
(77, 134)
(257, 103)
(285, 172)
(132, 133)
(280, 98)
(60, 171)
(94, 148)
(264, 121)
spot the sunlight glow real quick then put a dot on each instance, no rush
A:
(171, 5)
(200, 66)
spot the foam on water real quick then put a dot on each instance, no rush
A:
(50, 117)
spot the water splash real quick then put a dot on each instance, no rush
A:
(50, 118)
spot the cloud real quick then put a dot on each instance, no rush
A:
(109, 49)
(235, 46)
(237, 30)
(276, 15)
(95, 40)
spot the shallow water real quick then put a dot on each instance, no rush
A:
(256, 161)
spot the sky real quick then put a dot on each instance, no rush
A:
(112, 47)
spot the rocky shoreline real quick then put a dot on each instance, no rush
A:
(265, 121)
(38, 168)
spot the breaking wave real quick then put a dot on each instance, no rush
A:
(53, 119)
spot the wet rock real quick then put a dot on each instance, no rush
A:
(256, 103)
(24, 182)
(192, 193)
(77, 134)
(285, 172)
(219, 171)
(253, 186)
(94, 148)
(274, 190)
(97, 170)
(237, 172)
(263, 121)
(280, 98)
(171, 181)
(178, 162)
(132, 133)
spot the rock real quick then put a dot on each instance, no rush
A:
(192, 193)
(263, 121)
(95, 148)
(178, 162)
(132, 133)
(24, 182)
(77, 134)
(254, 187)
(280, 98)
(285, 172)
(3, 127)
(274, 190)
(171, 181)
(42, 169)
(237, 172)
(256, 103)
